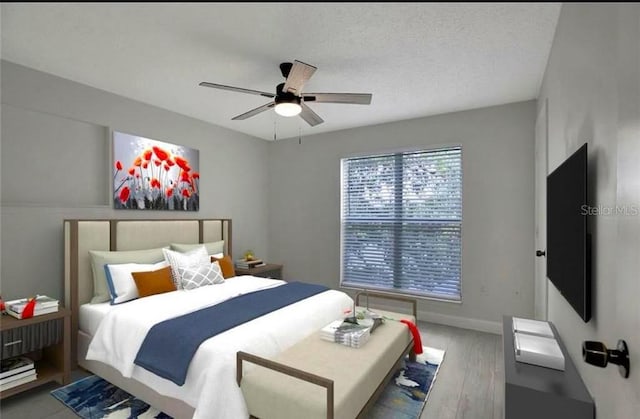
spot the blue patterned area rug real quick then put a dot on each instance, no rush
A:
(404, 397)
(94, 398)
(406, 393)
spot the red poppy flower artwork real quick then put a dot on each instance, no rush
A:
(124, 194)
(171, 183)
(160, 153)
(182, 163)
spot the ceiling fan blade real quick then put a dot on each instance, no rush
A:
(236, 89)
(350, 98)
(298, 76)
(254, 112)
(310, 116)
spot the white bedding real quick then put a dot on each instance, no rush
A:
(210, 386)
(91, 316)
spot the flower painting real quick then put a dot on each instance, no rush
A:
(151, 174)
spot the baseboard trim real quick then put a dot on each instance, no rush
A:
(462, 322)
(448, 320)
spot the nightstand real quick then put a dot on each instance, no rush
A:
(46, 339)
(269, 270)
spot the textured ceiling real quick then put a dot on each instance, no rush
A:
(417, 59)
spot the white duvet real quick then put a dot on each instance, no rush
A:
(210, 386)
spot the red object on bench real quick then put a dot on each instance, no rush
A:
(417, 341)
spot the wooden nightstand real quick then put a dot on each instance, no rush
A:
(269, 270)
(46, 339)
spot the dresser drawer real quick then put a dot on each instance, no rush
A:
(22, 340)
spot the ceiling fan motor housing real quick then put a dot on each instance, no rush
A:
(285, 97)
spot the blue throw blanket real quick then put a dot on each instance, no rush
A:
(169, 346)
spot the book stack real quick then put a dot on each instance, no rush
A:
(248, 264)
(44, 305)
(16, 371)
(348, 334)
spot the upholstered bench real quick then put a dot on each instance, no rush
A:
(320, 379)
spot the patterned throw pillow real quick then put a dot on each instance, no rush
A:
(177, 260)
(192, 277)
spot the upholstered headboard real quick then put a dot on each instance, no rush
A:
(80, 236)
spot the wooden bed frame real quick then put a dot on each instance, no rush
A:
(80, 236)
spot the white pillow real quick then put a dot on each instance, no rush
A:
(177, 260)
(99, 259)
(122, 286)
(213, 248)
(197, 276)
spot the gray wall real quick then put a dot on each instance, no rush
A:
(56, 165)
(283, 196)
(592, 84)
(498, 191)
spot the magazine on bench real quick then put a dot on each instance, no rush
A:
(348, 334)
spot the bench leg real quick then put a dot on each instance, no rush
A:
(412, 355)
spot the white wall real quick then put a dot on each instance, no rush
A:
(592, 84)
(55, 165)
(498, 190)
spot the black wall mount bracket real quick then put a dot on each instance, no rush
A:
(596, 353)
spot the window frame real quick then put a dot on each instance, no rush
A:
(400, 292)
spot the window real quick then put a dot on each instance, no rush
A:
(401, 222)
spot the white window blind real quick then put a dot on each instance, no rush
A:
(401, 221)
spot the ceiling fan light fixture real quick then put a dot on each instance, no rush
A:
(289, 98)
(288, 108)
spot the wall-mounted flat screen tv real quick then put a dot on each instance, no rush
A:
(568, 242)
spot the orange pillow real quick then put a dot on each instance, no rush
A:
(226, 266)
(154, 282)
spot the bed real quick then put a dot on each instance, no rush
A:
(209, 389)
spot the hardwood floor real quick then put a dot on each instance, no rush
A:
(470, 383)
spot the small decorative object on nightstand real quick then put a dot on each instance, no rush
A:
(266, 270)
(46, 339)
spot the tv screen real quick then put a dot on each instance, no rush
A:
(568, 244)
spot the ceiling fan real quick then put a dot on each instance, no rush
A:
(289, 99)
